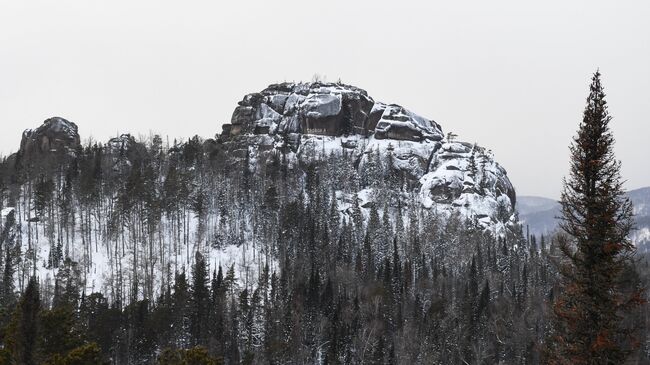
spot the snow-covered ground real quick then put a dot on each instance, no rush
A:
(105, 261)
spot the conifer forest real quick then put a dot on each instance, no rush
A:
(236, 250)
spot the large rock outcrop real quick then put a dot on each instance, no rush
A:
(308, 122)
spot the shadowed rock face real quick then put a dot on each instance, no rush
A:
(326, 109)
(55, 136)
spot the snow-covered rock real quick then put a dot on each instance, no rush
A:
(311, 121)
(325, 109)
(4, 214)
(395, 122)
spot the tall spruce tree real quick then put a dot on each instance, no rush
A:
(597, 217)
(22, 333)
(200, 301)
(7, 288)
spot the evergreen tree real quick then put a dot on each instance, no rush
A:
(21, 337)
(200, 301)
(472, 169)
(180, 303)
(193, 356)
(59, 331)
(7, 288)
(597, 217)
(43, 192)
(88, 354)
(484, 300)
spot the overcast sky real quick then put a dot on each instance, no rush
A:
(510, 75)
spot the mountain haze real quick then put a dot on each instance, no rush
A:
(540, 215)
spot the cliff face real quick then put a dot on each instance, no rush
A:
(325, 109)
(309, 122)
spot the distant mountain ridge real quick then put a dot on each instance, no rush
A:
(539, 215)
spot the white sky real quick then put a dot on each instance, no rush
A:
(510, 75)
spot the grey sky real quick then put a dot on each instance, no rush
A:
(511, 75)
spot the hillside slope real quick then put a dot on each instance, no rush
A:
(132, 214)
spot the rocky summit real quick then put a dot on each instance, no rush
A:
(308, 122)
(326, 109)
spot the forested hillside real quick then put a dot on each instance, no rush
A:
(337, 248)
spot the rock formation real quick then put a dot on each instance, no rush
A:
(310, 121)
(325, 109)
(55, 136)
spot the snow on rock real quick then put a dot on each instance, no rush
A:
(318, 106)
(476, 191)
(395, 122)
(310, 122)
(313, 108)
(4, 213)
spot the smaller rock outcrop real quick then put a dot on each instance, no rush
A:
(396, 122)
(123, 150)
(56, 136)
